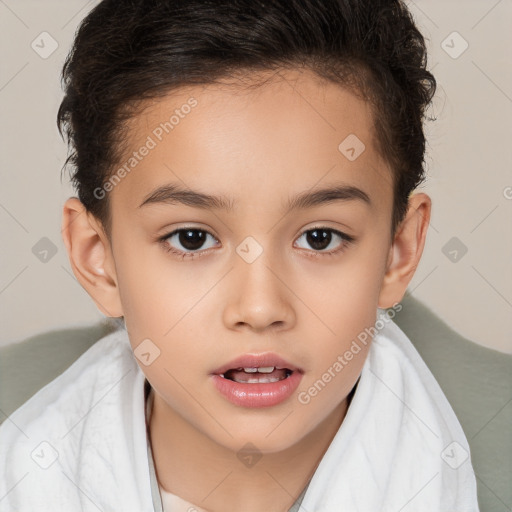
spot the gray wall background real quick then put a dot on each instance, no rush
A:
(465, 275)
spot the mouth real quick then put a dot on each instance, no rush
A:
(257, 368)
(257, 380)
(257, 375)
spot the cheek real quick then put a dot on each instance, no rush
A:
(153, 294)
(163, 309)
(342, 297)
(345, 306)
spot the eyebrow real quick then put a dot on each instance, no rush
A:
(175, 194)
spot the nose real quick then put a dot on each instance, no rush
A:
(259, 299)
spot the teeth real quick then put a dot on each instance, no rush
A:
(266, 369)
(262, 369)
(262, 380)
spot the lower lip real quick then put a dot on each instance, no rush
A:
(258, 394)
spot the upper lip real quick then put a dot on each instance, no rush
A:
(263, 360)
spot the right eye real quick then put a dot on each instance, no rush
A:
(186, 242)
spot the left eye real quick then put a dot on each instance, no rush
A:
(190, 239)
(324, 239)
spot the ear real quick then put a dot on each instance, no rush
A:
(91, 257)
(406, 250)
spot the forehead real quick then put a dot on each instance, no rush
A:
(286, 132)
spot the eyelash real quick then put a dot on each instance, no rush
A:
(346, 241)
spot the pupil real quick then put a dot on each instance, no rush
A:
(319, 241)
(191, 239)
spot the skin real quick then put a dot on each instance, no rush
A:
(258, 147)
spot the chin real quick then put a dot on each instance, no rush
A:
(265, 439)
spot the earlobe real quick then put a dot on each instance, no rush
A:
(406, 251)
(90, 257)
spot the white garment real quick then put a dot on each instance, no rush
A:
(79, 444)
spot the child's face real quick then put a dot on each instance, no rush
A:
(257, 150)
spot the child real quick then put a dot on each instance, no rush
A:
(245, 174)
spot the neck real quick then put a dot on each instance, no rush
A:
(196, 468)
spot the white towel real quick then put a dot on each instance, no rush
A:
(79, 444)
(400, 446)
